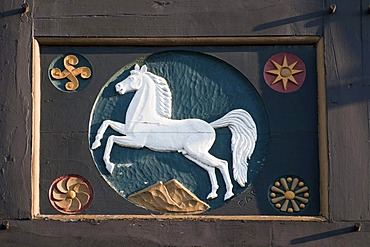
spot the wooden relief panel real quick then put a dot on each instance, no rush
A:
(216, 130)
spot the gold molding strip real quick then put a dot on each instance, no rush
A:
(178, 41)
(323, 130)
(35, 157)
(182, 217)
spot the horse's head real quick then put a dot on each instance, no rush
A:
(133, 82)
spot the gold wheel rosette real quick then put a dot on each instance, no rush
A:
(289, 194)
(70, 194)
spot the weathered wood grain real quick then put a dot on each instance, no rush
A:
(177, 18)
(365, 14)
(347, 114)
(174, 233)
(347, 52)
(15, 112)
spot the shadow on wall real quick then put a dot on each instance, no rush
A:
(316, 16)
(23, 10)
(324, 235)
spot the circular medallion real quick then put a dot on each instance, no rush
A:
(284, 72)
(289, 194)
(70, 72)
(159, 137)
(70, 194)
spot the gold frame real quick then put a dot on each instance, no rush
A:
(183, 41)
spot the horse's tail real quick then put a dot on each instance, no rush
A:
(243, 140)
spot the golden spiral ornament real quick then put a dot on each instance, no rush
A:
(71, 60)
(71, 72)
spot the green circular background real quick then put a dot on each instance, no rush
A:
(203, 87)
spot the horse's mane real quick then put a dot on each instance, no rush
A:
(164, 96)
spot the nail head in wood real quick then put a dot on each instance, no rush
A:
(332, 8)
(358, 227)
(26, 8)
(5, 225)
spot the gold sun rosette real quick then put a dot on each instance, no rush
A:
(70, 194)
(284, 72)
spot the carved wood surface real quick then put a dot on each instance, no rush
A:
(134, 233)
(347, 102)
(15, 112)
(347, 78)
(177, 18)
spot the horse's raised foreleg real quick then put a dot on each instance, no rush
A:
(119, 127)
(124, 141)
(211, 173)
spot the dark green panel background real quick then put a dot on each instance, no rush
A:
(292, 121)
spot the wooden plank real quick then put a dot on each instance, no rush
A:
(60, 8)
(35, 160)
(347, 114)
(183, 233)
(365, 12)
(177, 18)
(15, 112)
(323, 130)
(181, 41)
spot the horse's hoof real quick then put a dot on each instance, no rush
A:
(228, 195)
(110, 168)
(212, 195)
(96, 144)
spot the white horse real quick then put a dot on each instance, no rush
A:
(149, 124)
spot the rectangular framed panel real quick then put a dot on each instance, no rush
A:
(278, 81)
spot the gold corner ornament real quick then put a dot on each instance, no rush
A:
(285, 72)
(70, 194)
(286, 68)
(289, 194)
(71, 73)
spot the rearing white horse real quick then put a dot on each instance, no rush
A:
(149, 124)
